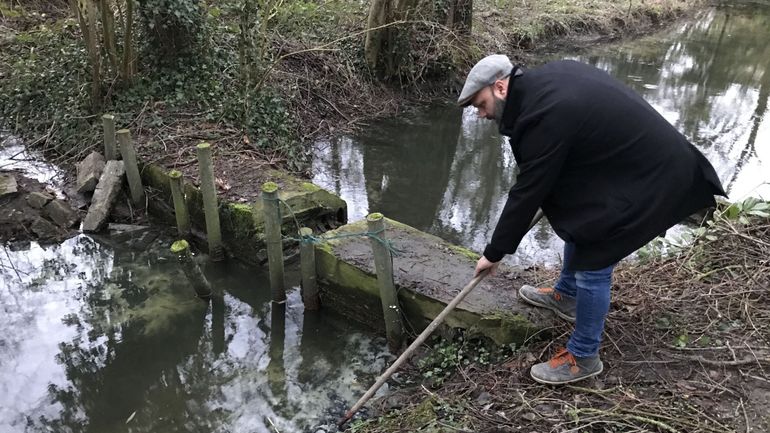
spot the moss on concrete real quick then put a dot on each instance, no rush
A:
(269, 187)
(242, 224)
(310, 187)
(345, 267)
(465, 252)
(179, 246)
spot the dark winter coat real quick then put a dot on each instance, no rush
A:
(609, 172)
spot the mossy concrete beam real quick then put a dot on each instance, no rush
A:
(428, 273)
(242, 228)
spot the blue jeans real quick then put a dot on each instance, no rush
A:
(592, 291)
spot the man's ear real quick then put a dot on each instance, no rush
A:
(501, 88)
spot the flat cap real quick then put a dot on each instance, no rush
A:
(484, 73)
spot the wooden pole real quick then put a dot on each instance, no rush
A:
(128, 153)
(210, 205)
(276, 371)
(412, 347)
(272, 212)
(422, 337)
(110, 150)
(192, 270)
(383, 263)
(307, 266)
(180, 205)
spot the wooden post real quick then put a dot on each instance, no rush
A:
(383, 263)
(180, 205)
(210, 205)
(276, 371)
(307, 266)
(272, 213)
(192, 270)
(132, 168)
(108, 124)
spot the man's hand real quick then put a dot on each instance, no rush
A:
(483, 263)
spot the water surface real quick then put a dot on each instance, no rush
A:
(106, 337)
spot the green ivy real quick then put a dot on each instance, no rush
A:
(44, 76)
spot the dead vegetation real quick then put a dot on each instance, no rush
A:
(686, 349)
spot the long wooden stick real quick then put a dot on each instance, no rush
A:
(421, 338)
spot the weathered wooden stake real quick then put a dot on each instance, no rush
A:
(307, 266)
(383, 263)
(132, 169)
(110, 150)
(192, 270)
(180, 205)
(210, 205)
(272, 213)
(276, 371)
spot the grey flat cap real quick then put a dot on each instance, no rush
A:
(483, 74)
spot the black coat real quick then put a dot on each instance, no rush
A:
(609, 172)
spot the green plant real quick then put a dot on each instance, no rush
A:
(173, 29)
(446, 356)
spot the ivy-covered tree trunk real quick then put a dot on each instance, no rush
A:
(380, 47)
(175, 29)
(85, 10)
(129, 56)
(460, 16)
(379, 11)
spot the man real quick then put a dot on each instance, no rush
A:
(608, 171)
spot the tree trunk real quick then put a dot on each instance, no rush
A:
(108, 30)
(459, 16)
(378, 13)
(129, 58)
(86, 14)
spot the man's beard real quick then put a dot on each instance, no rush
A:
(499, 107)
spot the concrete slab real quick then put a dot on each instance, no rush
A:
(8, 184)
(110, 185)
(89, 171)
(429, 272)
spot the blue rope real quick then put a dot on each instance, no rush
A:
(312, 239)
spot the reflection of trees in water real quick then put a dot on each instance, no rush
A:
(406, 166)
(758, 116)
(338, 167)
(480, 176)
(710, 81)
(125, 359)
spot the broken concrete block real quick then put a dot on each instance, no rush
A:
(89, 171)
(7, 184)
(107, 190)
(45, 230)
(61, 213)
(37, 200)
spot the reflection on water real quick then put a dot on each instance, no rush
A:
(15, 156)
(711, 79)
(101, 339)
(446, 172)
